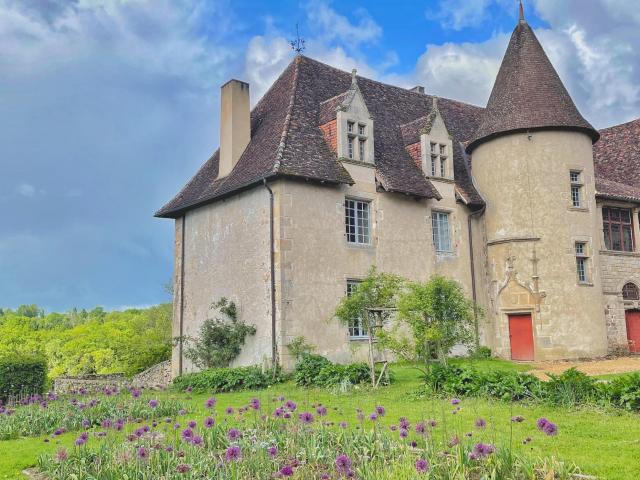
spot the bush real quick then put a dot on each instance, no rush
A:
(572, 388)
(227, 379)
(22, 376)
(333, 374)
(624, 392)
(481, 352)
(308, 369)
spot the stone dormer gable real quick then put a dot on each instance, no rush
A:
(347, 125)
(430, 145)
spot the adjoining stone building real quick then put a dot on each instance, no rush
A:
(523, 202)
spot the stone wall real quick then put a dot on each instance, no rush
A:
(156, 377)
(618, 268)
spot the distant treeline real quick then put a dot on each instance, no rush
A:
(82, 342)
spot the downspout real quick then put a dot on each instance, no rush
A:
(274, 345)
(473, 276)
(181, 318)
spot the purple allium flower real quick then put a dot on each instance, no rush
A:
(480, 423)
(373, 417)
(272, 451)
(281, 398)
(209, 422)
(187, 434)
(481, 450)
(188, 389)
(135, 393)
(183, 468)
(380, 410)
(255, 403)
(234, 434)
(107, 423)
(421, 465)
(45, 440)
(291, 405)
(517, 419)
(404, 423)
(286, 471)
(143, 453)
(550, 429)
(228, 410)
(306, 418)
(197, 440)
(343, 463)
(413, 444)
(541, 423)
(393, 428)
(344, 424)
(455, 440)
(80, 441)
(279, 412)
(287, 415)
(153, 403)
(210, 403)
(321, 410)
(404, 433)
(233, 453)
(455, 401)
(421, 428)
(181, 412)
(58, 431)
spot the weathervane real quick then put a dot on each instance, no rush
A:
(297, 45)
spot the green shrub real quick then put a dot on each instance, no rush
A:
(481, 352)
(227, 379)
(335, 374)
(21, 376)
(308, 369)
(624, 392)
(572, 388)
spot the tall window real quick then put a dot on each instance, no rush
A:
(357, 141)
(582, 260)
(438, 153)
(350, 146)
(434, 159)
(361, 144)
(618, 229)
(357, 221)
(576, 188)
(630, 292)
(441, 231)
(357, 329)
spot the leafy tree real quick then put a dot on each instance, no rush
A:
(219, 340)
(439, 316)
(377, 292)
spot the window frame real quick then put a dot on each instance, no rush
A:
(582, 262)
(357, 227)
(436, 231)
(577, 186)
(608, 224)
(636, 292)
(358, 330)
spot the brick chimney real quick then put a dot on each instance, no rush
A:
(235, 124)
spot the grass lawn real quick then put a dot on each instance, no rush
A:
(605, 444)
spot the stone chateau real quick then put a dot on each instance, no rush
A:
(524, 202)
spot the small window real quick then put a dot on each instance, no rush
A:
(443, 149)
(361, 149)
(350, 147)
(357, 222)
(361, 129)
(443, 166)
(434, 146)
(618, 229)
(350, 126)
(441, 231)
(582, 262)
(576, 188)
(434, 165)
(357, 329)
(630, 292)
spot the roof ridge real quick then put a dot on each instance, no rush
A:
(635, 120)
(403, 89)
(287, 121)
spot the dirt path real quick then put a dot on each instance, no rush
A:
(590, 367)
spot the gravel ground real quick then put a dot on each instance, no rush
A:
(590, 367)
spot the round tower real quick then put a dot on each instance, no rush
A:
(533, 163)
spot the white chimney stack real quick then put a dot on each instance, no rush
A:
(235, 124)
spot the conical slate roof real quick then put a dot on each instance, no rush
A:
(528, 94)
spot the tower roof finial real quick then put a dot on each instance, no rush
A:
(521, 19)
(353, 75)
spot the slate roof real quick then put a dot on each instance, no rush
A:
(528, 94)
(286, 139)
(617, 162)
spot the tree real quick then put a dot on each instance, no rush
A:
(377, 292)
(219, 340)
(439, 316)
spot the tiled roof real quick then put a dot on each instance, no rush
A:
(528, 94)
(617, 162)
(286, 139)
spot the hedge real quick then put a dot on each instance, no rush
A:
(22, 376)
(227, 379)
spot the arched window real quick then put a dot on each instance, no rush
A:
(630, 292)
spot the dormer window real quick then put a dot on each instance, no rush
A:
(361, 129)
(438, 157)
(350, 127)
(357, 141)
(355, 127)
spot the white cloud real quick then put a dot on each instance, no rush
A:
(26, 190)
(458, 14)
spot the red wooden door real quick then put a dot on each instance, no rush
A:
(521, 337)
(633, 330)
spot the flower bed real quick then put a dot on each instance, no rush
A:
(281, 439)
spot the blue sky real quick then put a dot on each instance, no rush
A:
(107, 107)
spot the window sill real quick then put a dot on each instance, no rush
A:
(578, 209)
(357, 162)
(585, 284)
(440, 179)
(445, 253)
(620, 253)
(358, 339)
(360, 246)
